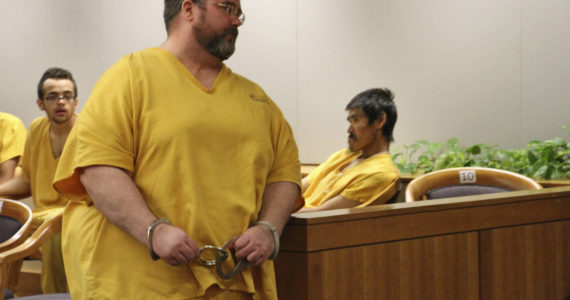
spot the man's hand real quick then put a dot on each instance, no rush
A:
(255, 244)
(173, 245)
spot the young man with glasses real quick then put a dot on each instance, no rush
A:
(57, 96)
(174, 155)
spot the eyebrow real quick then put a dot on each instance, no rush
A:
(54, 92)
(65, 94)
(232, 4)
(228, 3)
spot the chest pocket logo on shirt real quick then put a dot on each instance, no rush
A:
(259, 98)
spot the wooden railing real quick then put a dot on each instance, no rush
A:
(512, 245)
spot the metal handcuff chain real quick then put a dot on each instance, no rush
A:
(221, 257)
(241, 264)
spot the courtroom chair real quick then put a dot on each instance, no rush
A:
(15, 221)
(456, 182)
(14, 256)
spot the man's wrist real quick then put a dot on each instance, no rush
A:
(275, 233)
(149, 234)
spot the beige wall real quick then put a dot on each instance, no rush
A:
(493, 72)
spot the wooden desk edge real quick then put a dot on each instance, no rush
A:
(431, 205)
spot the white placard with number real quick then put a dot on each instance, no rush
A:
(467, 176)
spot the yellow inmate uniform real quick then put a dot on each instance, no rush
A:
(200, 158)
(363, 182)
(38, 168)
(12, 137)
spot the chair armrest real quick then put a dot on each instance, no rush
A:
(48, 228)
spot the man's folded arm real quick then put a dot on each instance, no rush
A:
(334, 203)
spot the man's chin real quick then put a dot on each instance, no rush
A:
(60, 119)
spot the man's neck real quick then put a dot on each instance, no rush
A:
(62, 129)
(58, 133)
(380, 147)
(198, 61)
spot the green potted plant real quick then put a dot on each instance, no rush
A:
(540, 160)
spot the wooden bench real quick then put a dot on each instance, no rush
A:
(513, 245)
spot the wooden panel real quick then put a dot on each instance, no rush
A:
(554, 183)
(29, 282)
(444, 267)
(526, 262)
(291, 274)
(432, 250)
(310, 231)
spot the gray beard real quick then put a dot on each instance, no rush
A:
(217, 45)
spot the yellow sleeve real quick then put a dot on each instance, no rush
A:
(12, 138)
(316, 173)
(365, 189)
(103, 133)
(26, 155)
(286, 166)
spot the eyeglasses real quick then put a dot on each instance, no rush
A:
(230, 8)
(54, 98)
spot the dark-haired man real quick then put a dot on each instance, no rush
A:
(363, 173)
(57, 97)
(174, 152)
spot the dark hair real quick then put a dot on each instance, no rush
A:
(171, 10)
(375, 102)
(55, 73)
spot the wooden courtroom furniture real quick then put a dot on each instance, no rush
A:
(15, 218)
(15, 221)
(513, 245)
(454, 182)
(14, 256)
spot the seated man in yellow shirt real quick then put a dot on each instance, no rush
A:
(363, 173)
(12, 139)
(57, 96)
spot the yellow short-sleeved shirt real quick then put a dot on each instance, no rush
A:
(200, 157)
(12, 137)
(39, 165)
(364, 182)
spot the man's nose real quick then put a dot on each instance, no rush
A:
(237, 22)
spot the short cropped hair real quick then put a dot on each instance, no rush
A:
(374, 103)
(55, 73)
(171, 10)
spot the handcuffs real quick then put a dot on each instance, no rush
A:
(221, 256)
(221, 253)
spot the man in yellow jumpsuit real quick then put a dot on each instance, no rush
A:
(12, 140)
(171, 133)
(363, 173)
(57, 96)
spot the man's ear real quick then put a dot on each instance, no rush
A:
(40, 104)
(188, 9)
(379, 124)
